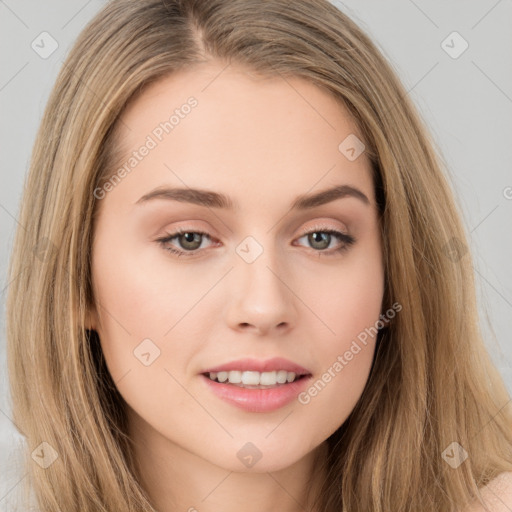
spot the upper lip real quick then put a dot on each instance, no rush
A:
(259, 365)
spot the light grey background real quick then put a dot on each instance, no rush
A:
(466, 101)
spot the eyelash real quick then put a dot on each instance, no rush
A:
(347, 240)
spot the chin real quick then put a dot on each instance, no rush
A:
(262, 457)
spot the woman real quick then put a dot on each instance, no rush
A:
(242, 279)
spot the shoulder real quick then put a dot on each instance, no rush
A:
(497, 495)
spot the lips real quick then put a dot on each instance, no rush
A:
(258, 365)
(260, 398)
(257, 400)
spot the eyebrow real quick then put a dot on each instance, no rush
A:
(211, 199)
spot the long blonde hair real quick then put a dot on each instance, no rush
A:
(432, 381)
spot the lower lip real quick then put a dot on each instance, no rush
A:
(258, 400)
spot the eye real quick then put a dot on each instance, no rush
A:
(319, 237)
(189, 240)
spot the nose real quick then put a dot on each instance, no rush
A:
(261, 298)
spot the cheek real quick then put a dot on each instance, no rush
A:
(139, 293)
(349, 309)
(346, 296)
(344, 358)
(137, 308)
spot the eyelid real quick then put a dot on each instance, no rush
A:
(319, 225)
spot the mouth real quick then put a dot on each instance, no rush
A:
(255, 379)
(257, 385)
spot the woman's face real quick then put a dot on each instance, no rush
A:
(267, 279)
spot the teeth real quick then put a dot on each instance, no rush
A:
(235, 377)
(222, 376)
(281, 376)
(250, 378)
(268, 379)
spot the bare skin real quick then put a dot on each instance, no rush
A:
(262, 142)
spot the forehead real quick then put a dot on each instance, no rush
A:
(237, 93)
(243, 128)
